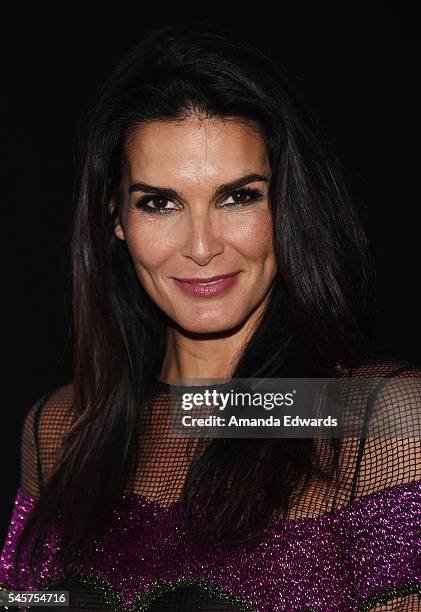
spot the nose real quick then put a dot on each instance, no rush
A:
(203, 238)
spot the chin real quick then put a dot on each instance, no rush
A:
(212, 326)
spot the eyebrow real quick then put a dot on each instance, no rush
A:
(222, 189)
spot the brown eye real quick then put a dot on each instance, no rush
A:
(243, 197)
(143, 203)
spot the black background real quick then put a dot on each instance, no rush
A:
(356, 64)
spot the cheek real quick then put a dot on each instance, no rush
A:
(252, 235)
(149, 246)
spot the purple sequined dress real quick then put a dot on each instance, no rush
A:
(361, 556)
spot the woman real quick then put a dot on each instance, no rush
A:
(201, 160)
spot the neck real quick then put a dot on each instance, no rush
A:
(211, 355)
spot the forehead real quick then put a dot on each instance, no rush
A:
(196, 149)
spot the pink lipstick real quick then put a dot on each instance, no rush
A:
(207, 287)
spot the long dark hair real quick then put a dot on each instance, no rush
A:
(318, 318)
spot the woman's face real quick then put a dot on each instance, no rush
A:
(181, 219)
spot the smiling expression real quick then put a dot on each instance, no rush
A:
(196, 206)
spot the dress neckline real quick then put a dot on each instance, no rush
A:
(380, 495)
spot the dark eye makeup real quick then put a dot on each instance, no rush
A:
(253, 195)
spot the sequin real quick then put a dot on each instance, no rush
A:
(348, 559)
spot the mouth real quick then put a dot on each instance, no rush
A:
(206, 281)
(211, 286)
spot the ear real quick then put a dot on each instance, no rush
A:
(118, 230)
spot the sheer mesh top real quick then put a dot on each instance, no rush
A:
(352, 547)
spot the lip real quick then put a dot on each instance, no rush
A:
(192, 287)
(205, 280)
